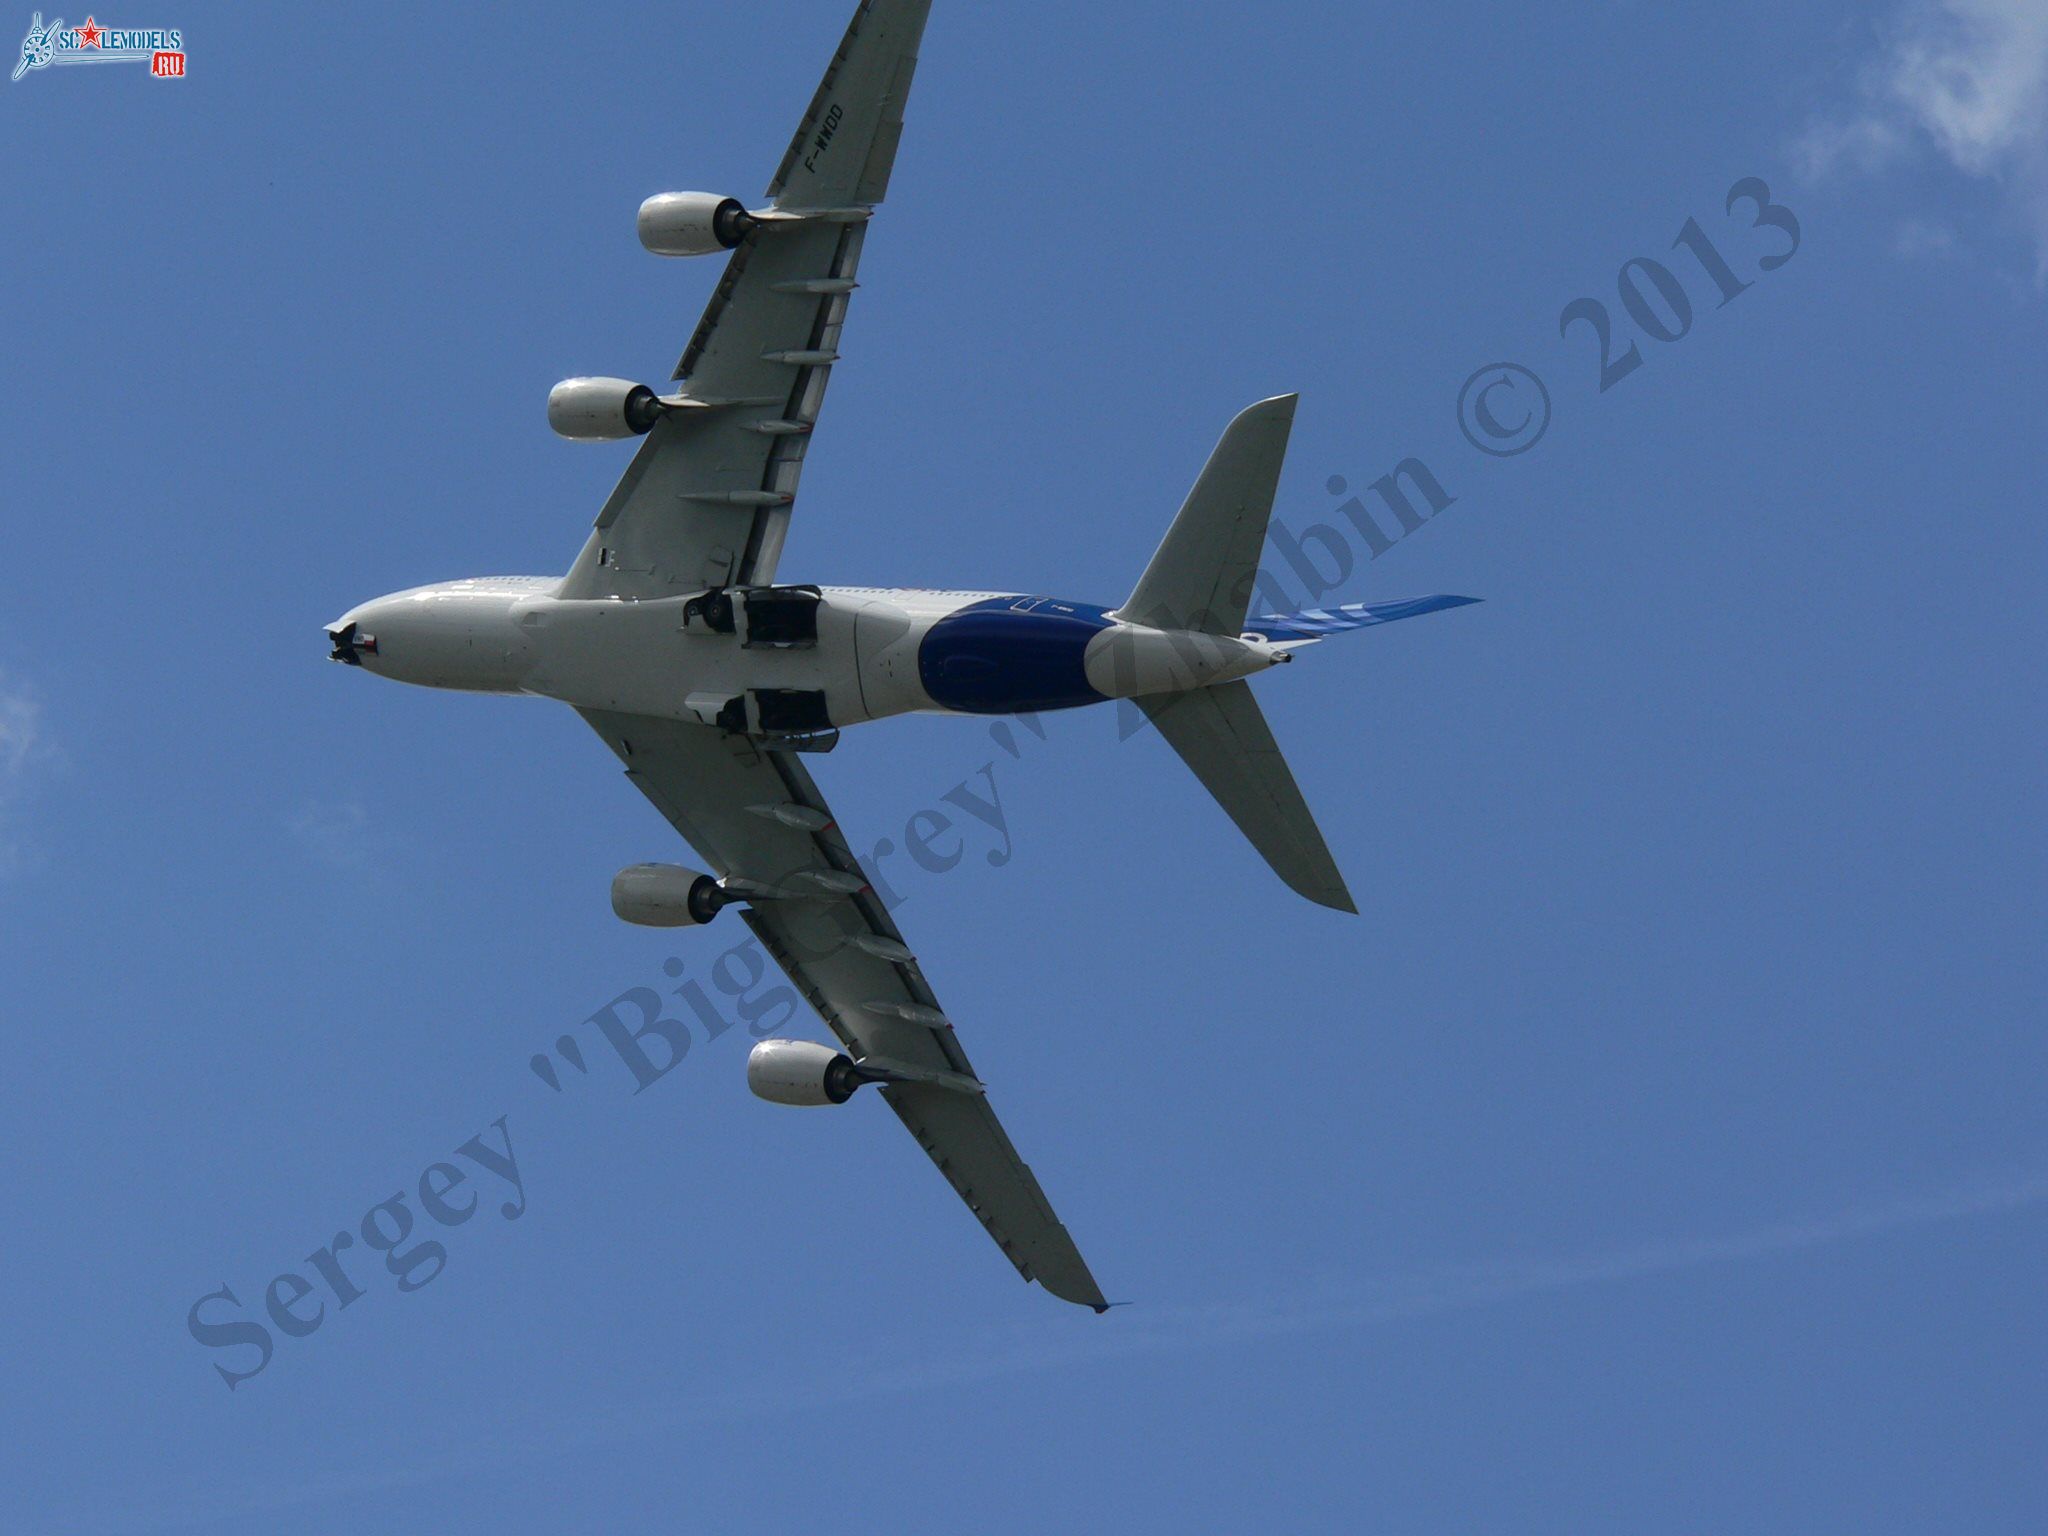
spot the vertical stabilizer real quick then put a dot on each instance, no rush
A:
(1202, 576)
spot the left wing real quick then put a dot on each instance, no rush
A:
(754, 815)
(706, 501)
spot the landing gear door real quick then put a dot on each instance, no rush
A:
(782, 617)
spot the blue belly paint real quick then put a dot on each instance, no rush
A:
(1011, 655)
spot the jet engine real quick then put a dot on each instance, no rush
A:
(801, 1073)
(693, 223)
(603, 410)
(666, 896)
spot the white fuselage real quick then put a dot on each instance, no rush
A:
(782, 661)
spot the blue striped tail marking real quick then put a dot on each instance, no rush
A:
(1315, 623)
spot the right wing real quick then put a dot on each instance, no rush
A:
(755, 815)
(706, 501)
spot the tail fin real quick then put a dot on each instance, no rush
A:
(1201, 578)
(1220, 734)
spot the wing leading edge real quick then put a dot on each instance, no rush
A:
(755, 815)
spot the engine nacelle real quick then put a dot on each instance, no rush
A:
(801, 1073)
(603, 410)
(693, 223)
(666, 896)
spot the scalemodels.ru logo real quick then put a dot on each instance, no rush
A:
(161, 48)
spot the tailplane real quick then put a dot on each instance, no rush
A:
(1220, 734)
(1202, 580)
(1292, 629)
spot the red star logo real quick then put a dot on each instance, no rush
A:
(89, 34)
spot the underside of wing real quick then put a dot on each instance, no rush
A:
(845, 148)
(757, 820)
(707, 499)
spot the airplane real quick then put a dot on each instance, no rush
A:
(712, 680)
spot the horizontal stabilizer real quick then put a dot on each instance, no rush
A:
(1220, 734)
(1315, 623)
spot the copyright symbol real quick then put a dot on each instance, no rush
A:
(1504, 410)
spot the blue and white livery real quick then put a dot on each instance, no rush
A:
(714, 679)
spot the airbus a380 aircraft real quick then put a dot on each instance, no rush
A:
(672, 638)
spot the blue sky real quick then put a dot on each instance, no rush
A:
(1660, 1151)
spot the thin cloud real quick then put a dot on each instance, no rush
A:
(22, 744)
(1967, 79)
(1423, 1294)
(336, 832)
(21, 729)
(1865, 145)
(1303, 1309)
(1924, 240)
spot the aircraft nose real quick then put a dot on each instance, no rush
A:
(352, 639)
